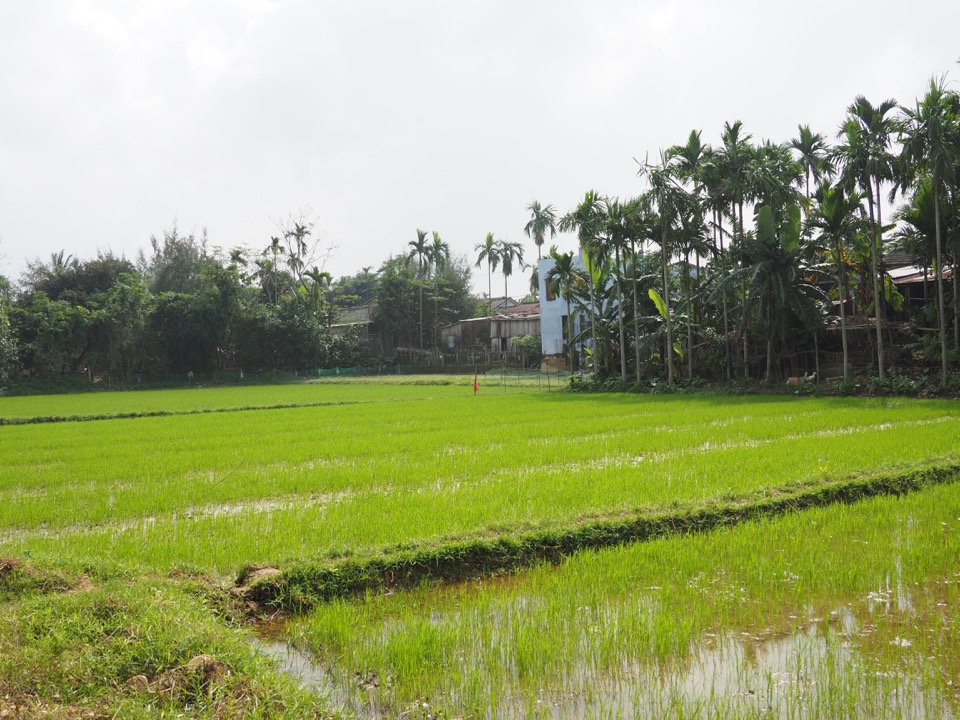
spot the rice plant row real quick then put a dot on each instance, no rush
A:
(844, 611)
(217, 491)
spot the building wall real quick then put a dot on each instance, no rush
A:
(552, 311)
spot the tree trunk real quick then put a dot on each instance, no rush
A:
(769, 378)
(593, 314)
(623, 332)
(939, 271)
(726, 320)
(875, 268)
(436, 316)
(666, 302)
(686, 275)
(636, 312)
(816, 354)
(956, 319)
(841, 285)
(746, 364)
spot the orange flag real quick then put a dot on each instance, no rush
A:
(476, 385)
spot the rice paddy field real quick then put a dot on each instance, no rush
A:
(400, 548)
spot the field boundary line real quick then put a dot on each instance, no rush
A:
(49, 419)
(297, 588)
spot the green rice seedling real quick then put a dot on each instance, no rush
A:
(789, 617)
(278, 486)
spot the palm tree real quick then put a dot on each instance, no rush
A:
(814, 157)
(541, 220)
(564, 280)
(621, 229)
(916, 233)
(489, 252)
(734, 160)
(438, 255)
(419, 249)
(718, 202)
(930, 136)
(838, 218)
(671, 202)
(587, 220)
(865, 162)
(508, 253)
(643, 224)
(778, 275)
(691, 163)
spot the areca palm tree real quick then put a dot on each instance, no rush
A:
(692, 163)
(438, 255)
(542, 220)
(930, 136)
(638, 222)
(488, 251)
(778, 274)
(509, 252)
(916, 233)
(621, 230)
(587, 220)
(734, 161)
(866, 161)
(420, 251)
(671, 202)
(814, 155)
(837, 216)
(565, 280)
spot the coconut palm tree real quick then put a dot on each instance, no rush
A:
(542, 219)
(930, 135)
(488, 251)
(420, 251)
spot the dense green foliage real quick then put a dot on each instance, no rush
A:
(187, 309)
(757, 264)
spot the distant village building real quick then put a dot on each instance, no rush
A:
(553, 319)
(490, 339)
(359, 316)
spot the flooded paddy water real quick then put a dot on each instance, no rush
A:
(850, 611)
(869, 658)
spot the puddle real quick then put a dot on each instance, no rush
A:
(297, 664)
(864, 658)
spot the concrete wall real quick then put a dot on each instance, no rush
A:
(552, 311)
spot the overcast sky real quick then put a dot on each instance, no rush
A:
(378, 118)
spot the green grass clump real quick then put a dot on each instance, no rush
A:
(136, 649)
